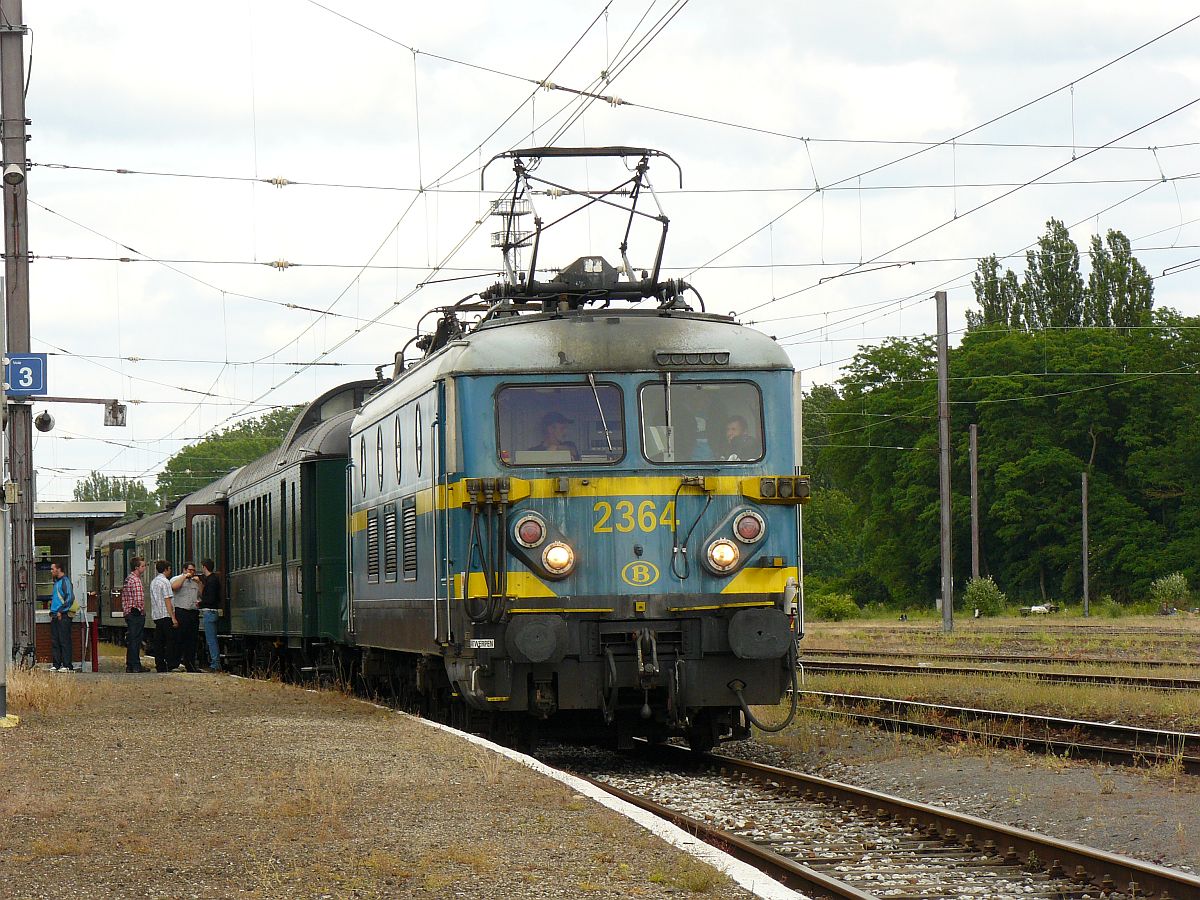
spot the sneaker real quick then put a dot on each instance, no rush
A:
(54, 668)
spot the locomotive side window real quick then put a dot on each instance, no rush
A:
(362, 462)
(702, 421)
(541, 425)
(379, 455)
(399, 448)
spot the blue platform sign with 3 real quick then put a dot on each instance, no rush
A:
(25, 374)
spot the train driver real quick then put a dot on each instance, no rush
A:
(738, 440)
(554, 435)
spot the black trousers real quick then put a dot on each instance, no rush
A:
(166, 645)
(60, 641)
(189, 636)
(136, 623)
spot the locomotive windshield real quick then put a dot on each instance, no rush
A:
(560, 424)
(701, 421)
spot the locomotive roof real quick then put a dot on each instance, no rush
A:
(593, 340)
(601, 340)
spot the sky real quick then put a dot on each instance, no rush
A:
(809, 137)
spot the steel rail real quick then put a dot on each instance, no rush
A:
(784, 870)
(1059, 857)
(810, 652)
(1094, 678)
(1143, 746)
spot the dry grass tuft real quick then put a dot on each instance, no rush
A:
(690, 875)
(36, 690)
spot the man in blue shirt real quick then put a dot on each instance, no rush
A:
(62, 598)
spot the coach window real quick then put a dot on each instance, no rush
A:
(710, 421)
(565, 424)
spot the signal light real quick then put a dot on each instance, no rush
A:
(766, 487)
(723, 555)
(749, 527)
(558, 558)
(530, 531)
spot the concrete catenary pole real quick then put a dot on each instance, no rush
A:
(974, 501)
(5, 566)
(1086, 610)
(16, 279)
(943, 353)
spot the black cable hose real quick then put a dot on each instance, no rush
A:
(737, 687)
(471, 543)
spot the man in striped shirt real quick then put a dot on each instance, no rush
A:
(133, 606)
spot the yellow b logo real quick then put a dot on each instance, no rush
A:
(639, 574)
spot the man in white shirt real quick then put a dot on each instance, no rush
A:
(162, 610)
(186, 586)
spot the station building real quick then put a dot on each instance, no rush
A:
(62, 533)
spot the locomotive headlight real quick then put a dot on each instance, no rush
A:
(558, 558)
(530, 531)
(749, 527)
(723, 554)
(785, 488)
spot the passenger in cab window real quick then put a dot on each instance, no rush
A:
(554, 435)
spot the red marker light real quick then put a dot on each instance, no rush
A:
(531, 532)
(749, 528)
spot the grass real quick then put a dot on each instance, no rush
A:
(1140, 637)
(1171, 710)
(40, 691)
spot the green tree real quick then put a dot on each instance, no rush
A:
(1120, 291)
(1053, 288)
(97, 486)
(207, 460)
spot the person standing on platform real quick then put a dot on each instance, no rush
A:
(62, 599)
(162, 610)
(186, 587)
(133, 605)
(212, 601)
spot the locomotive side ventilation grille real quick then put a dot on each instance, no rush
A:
(409, 530)
(373, 546)
(389, 542)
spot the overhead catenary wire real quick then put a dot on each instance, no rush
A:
(784, 189)
(956, 138)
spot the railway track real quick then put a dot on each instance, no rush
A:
(829, 839)
(1076, 628)
(1107, 742)
(811, 653)
(857, 667)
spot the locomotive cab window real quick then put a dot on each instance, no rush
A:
(701, 421)
(551, 425)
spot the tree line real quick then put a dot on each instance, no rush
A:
(1062, 376)
(195, 465)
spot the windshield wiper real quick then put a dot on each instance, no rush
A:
(603, 420)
